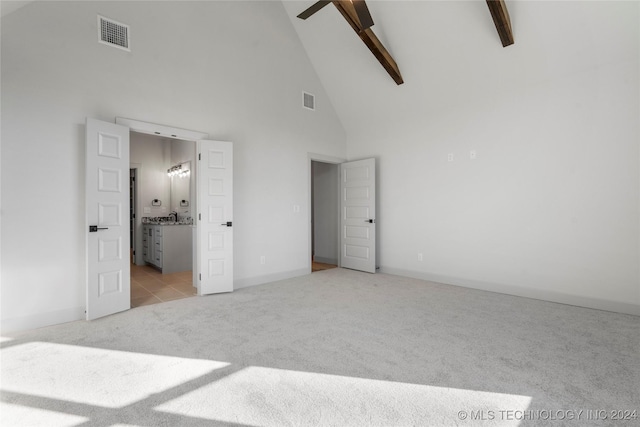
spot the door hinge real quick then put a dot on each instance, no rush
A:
(199, 156)
(199, 217)
(200, 276)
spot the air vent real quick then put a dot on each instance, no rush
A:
(308, 101)
(113, 33)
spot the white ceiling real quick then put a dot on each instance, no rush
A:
(448, 52)
(450, 55)
(6, 7)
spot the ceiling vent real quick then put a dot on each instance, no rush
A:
(308, 101)
(113, 33)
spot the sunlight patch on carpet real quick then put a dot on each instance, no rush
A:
(94, 376)
(33, 417)
(267, 396)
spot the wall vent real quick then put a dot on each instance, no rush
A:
(308, 101)
(113, 33)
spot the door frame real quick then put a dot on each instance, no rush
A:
(172, 133)
(315, 157)
(137, 258)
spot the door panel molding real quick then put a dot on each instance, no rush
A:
(214, 252)
(107, 203)
(358, 215)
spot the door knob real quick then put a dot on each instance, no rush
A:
(94, 228)
(370, 221)
(228, 224)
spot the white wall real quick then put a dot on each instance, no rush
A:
(234, 70)
(326, 211)
(153, 183)
(550, 208)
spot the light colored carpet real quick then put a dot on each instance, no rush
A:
(335, 348)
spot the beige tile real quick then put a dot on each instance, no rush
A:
(171, 279)
(138, 291)
(169, 294)
(187, 290)
(150, 286)
(143, 280)
(154, 285)
(136, 272)
(154, 273)
(183, 285)
(145, 300)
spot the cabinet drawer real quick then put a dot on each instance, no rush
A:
(158, 231)
(158, 259)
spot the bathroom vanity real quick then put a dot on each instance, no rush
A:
(167, 246)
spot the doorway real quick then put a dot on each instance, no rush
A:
(107, 164)
(325, 215)
(159, 198)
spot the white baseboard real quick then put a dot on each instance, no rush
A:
(267, 278)
(40, 320)
(540, 294)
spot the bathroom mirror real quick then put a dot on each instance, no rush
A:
(181, 191)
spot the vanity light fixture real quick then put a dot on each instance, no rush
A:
(177, 171)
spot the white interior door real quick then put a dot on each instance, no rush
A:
(358, 215)
(215, 217)
(107, 226)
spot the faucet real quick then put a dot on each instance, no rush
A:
(173, 216)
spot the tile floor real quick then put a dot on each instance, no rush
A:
(150, 286)
(318, 266)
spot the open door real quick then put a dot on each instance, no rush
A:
(358, 215)
(107, 222)
(215, 217)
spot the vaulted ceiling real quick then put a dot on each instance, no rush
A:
(450, 55)
(8, 6)
(356, 14)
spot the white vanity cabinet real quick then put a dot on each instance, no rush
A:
(168, 247)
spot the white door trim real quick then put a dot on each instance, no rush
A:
(315, 157)
(161, 130)
(168, 132)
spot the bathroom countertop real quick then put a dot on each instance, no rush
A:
(166, 223)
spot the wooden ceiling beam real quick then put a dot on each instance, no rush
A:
(501, 19)
(347, 10)
(369, 38)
